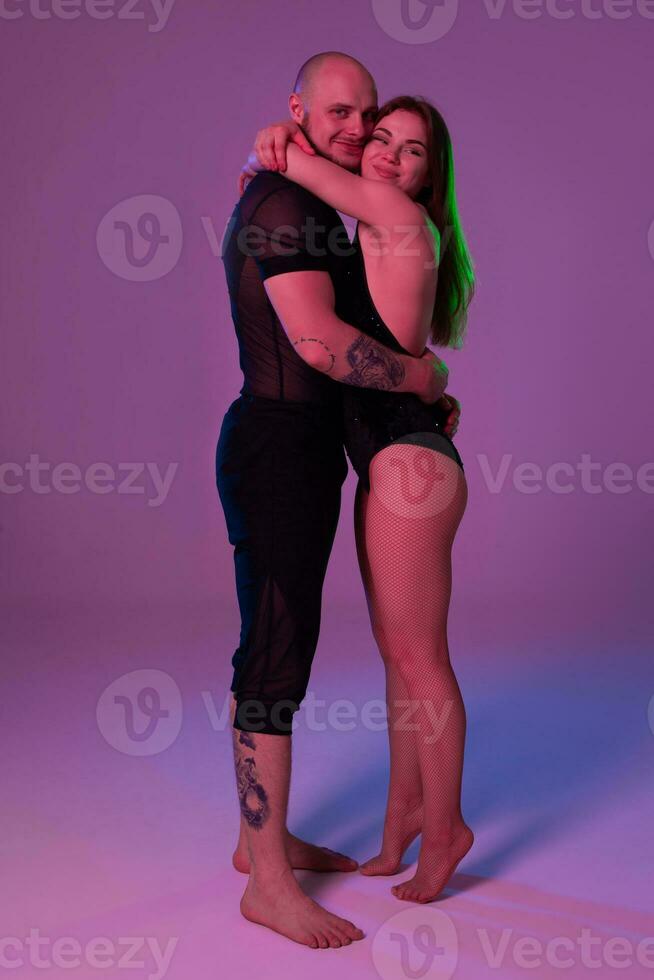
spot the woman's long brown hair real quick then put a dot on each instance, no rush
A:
(456, 283)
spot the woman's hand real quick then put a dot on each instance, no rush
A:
(271, 142)
(269, 151)
(452, 406)
(435, 392)
(436, 377)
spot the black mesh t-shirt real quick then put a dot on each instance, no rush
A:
(279, 227)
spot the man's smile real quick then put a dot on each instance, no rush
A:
(356, 149)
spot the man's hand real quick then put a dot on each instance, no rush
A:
(435, 379)
(452, 406)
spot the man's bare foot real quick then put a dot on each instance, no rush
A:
(398, 834)
(280, 904)
(436, 865)
(301, 855)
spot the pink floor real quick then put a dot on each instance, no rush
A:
(116, 852)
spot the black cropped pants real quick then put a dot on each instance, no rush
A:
(280, 467)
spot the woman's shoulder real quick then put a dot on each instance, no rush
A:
(430, 220)
(391, 203)
(433, 227)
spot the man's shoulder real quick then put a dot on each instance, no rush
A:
(283, 194)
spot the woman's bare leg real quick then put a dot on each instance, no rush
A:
(417, 499)
(403, 818)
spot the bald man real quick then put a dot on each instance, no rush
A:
(280, 465)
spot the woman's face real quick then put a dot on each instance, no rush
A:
(397, 152)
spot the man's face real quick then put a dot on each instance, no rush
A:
(338, 113)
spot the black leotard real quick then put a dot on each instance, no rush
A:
(374, 418)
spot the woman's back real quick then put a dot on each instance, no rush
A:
(373, 418)
(400, 269)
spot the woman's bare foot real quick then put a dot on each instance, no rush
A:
(398, 834)
(436, 865)
(301, 855)
(280, 904)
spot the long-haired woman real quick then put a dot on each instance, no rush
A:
(412, 284)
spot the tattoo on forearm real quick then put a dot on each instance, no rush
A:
(252, 797)
(373, 366)
(316, 340)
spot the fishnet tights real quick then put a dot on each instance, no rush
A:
(404, 531)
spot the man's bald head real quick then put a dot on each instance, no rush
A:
(310, 72)
(335, 102)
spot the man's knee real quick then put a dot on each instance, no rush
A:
(266, 718)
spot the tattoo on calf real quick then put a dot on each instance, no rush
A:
(252, 797)
(316, 340)
(245, 738)
(373, 365)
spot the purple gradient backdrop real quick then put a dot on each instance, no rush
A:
(554, 151)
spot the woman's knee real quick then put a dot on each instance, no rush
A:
(408, 644)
